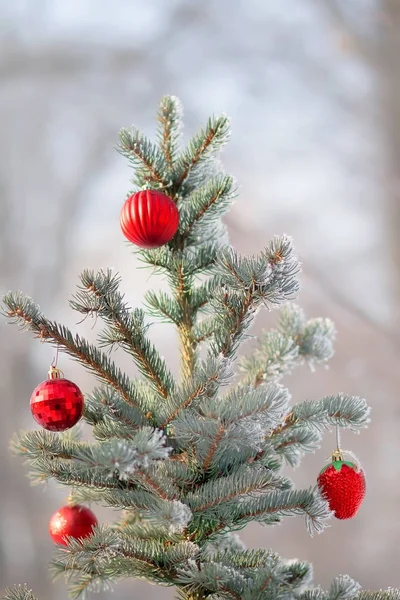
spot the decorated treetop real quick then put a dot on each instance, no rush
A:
(189, 460)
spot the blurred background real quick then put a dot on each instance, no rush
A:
(312, 87)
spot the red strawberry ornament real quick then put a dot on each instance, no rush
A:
(342, 483)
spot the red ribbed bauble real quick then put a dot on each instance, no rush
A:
(149, 219)
(343, 485)
(71, 521)
(57, 403)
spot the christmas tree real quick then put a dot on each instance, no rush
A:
(189, 460)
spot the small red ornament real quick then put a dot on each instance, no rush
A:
(71, 521)
(342, 483)
(57, 403)
(149, 219)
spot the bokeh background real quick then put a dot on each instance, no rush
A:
(312, 87)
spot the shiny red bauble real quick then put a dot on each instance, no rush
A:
(149, 219)
(343, 485)
(71, 521)
(57, 403)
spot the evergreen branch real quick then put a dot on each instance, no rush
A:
(111, 465)
(348, 593)
(272, 274)
(203, 331)
(99, 294)
(108, 428)
(199, 259)
(105, 556)
(65, 473)
(19, 592)
(302, 428)
(213, 577)
(269, 278)
(38, 443)
(245, 559)
(145, 530)
(230, 430)
(315, 593)
(343, 588)
(163, 259)
(172, 514)
(389, 594)
(124, 459)
(274, 579)
(230, 489)
(295, 443)
(106, 406)
(140, 151)
(213, 447)
(270, 508)
(192, 259)
(208, 376)
(234, 313)
(206, 142)
(205, 204)
(294, 342)
(170, 123)
(246, 404)
(182, 471)
(201, 294)
(350, 412)
(22, 310)
(162, 305)
(282, 283)
(277, 581)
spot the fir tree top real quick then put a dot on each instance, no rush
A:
(191, 459)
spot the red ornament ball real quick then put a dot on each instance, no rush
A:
(71, 521)
(149, 219)
(57, 404)
(343, 485)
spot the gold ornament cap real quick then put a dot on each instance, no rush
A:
(54, 373)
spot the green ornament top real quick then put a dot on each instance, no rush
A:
(337, 464)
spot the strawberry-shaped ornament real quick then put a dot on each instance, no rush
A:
(57, 403)
(342, 483)
(149, 219)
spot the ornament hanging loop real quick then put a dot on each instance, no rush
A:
(55, 373)
(338, 444)
(55, 359)
(339, 453)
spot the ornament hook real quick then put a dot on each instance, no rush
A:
(55, 360)
(338, 440)
(338, 454)
(54, 372)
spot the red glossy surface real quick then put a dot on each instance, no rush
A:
(73, 521)
(149, 219)
(344, 489)
(57, 404)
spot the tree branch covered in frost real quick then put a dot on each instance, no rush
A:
(268, 279)
(294, 342)
(19, 592)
